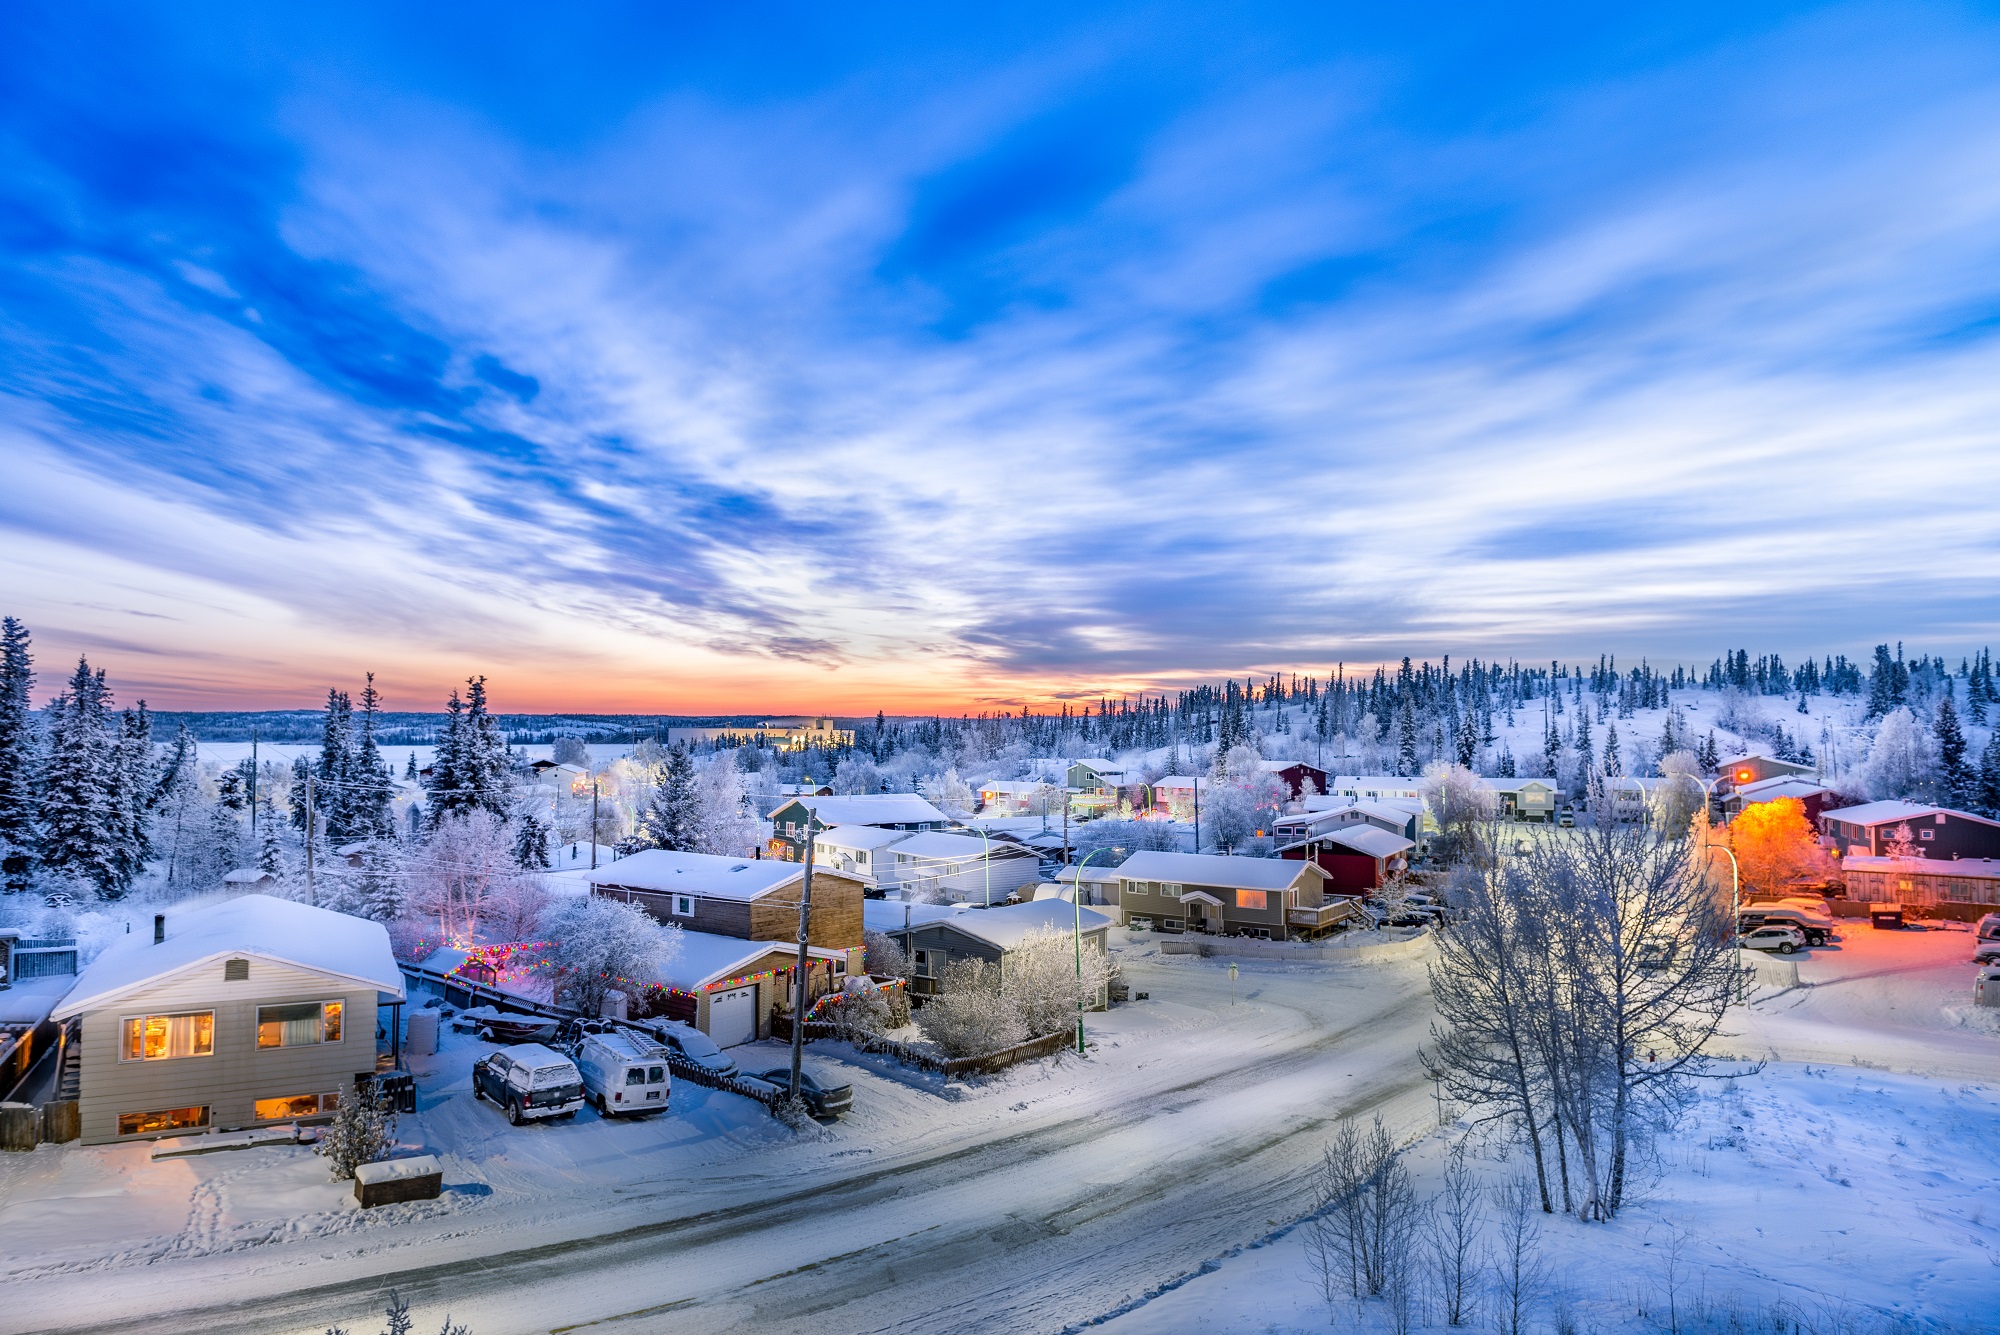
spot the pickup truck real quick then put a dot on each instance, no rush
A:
(529, 1082)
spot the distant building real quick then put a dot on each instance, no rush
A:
(892, 811)
(1967, 888)
(1296, 775)
(1936, 833)
(1755, 768)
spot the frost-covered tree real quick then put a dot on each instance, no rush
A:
(730, 823)
(19, 759)
(570, 751)
(470, 772)
(363, 1130)
(1900, 762)
(1957, 785)
(1460, 802)
(465, 865)
(133, 784)
(1675, 800)
(1776, 846)
(883, 955)
(378, 886)
(947, 792)
(857, 774)
(371, 785)
(80, 820)
(1989, 775)
(598, 945)
(1406, 737)
(672, 818)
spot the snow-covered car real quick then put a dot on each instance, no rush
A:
(529, 1083)
(821, 1098)
(690, 1044)
(1784, 940)
(624, 1074)
(1655, 952)
(1141, 924)
(1817, 928)
(1986, 952)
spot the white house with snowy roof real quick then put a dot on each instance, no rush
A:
(251, 1012)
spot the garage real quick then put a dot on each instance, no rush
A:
(732, 1016)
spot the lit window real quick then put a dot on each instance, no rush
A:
(166, 1119)
(1250, 899)
(163, 1037)
(299, 1025)
(295, 1105)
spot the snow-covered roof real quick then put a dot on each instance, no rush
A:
(705, 958)
(249, 926)
(1007, 926)
(886, 915)
(936, 844)
(1985, 869)
(1884, 813)
(870, 809)
(1783, 785)
(1192, 783)
(1026, 786)
(1093, 874)
(1381, 808)
(1370, 840)
(247, 876)
(859, 836)
(1759, 755)
(1212, 869)
(662, 872)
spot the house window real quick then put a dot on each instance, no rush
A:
(1926, 834)
(165, 1119)
(1250, 899)
(1170, 889)
(299, 1025)
(683, 906)
(1135, 887)
(153, 1038)
(924, 969)
(289, 1106)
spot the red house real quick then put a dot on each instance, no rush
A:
(1355, 858)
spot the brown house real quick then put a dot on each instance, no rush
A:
(1203, 892)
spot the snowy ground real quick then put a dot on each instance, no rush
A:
(1070, 1190)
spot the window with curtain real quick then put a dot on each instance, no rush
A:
(299, 1024)
(163, 1037)
(1250, 899)
(295, 1105)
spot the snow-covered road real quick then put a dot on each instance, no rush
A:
(1036, 1201)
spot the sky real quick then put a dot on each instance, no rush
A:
(795, 358)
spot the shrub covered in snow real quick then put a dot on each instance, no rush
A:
(597, 945)
(363, 1130)
(970, 1017)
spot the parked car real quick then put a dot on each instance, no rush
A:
(529, 1082)
(1778, 937)
(821, 1099)
(624, 1074)
(689, 1044)
(1141, 924)
(498, 1026)
(1816, 927)
(1655, 953)
(1987, 952)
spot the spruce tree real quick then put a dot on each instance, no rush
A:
(1586, 753)
(1614, 763)
(370, 779)
(1406, 738)
(672, 819)
(449, 788)
(1468, 741)
(335, 771)
(1957, 785)
(133, 785)
(18, 759)
(531, 843)
(271, 849)
(1989, 775)
(486, 751)
(79, 817)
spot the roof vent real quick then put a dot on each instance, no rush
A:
(235, 971)
(159, 928)
(741, 866)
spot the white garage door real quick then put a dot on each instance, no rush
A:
(732, 1017)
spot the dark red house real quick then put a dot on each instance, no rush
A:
(1355, 858)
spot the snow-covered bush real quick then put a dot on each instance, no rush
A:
(1460, 802)
(1122, 838)
(857, 774)
(883, 954)
(731, 822)
(363, 1130)
(948, 793)
(861, 1011)
(465, 865)
(597, 945)
(969, 1016)
(1044, 980)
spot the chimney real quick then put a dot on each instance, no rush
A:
(159, 928)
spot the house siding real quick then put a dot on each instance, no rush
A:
(231, 1080)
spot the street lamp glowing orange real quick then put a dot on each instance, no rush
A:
(1743, 776)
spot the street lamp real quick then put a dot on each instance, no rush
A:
(1076, 902)
(1735, 906)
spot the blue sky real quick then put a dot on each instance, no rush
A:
(796, 358)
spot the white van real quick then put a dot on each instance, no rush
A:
(624, 1074)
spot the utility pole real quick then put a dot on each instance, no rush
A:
(311, 898)
(799, 990)
(253, 783)
(593, 820)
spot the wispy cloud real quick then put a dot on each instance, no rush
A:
(982, 366)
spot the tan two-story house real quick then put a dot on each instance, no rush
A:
(1205, 892)
(247, 1013)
